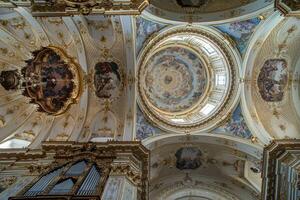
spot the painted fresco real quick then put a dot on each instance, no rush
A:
(235, 126)
(143, 128)
(294, 5)
(188, 158)
(50, 81)
(272, 80)
(144, 29)
(192, 3)
(107, 80)
(240, 32)
(175, 79)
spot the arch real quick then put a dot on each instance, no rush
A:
(240, 144)
(201, 192)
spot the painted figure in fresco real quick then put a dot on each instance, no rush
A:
(192, 3)
(293, 4)
(237, 125)
(240, 31)
(188, 158)
(107, 79)
(48, 80)
(272, 80)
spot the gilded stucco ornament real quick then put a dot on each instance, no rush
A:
(6, 182)
(190, 86)
(76, 7)
(86, 7)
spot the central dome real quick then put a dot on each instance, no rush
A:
(187, 79)
(176, 79)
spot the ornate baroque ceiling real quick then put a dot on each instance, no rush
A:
(66, 76)
(200, 87)
(203, 99)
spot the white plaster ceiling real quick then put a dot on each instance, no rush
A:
(87, 40)
(271, 103)
(222, 167)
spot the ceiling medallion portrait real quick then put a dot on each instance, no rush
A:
(108, 80)
(51, 79)
(187, 79)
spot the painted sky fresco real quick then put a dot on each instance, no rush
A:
(236, 126)
(144, 30)
(240, 32)
(143, 128)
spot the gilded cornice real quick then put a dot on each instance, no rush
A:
(84, 7)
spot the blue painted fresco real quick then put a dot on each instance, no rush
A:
(240, 32)
(236, 126)
(144, 29)
(143, 128)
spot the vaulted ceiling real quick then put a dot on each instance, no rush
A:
(209, 89)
